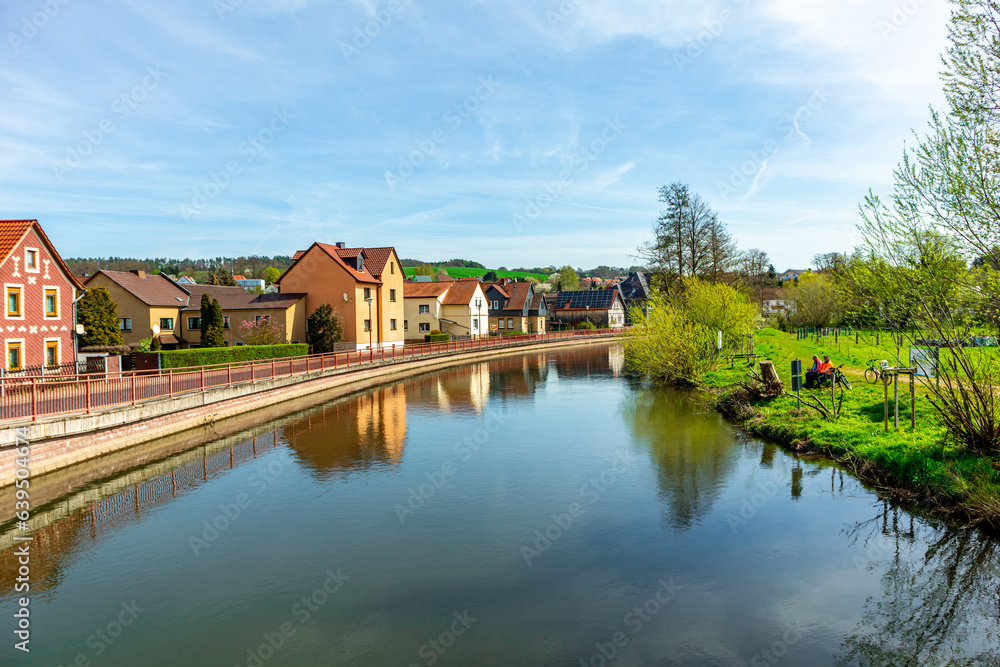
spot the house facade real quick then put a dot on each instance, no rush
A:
(635, 292)
(776, 301)
(239, 306)
(511, 306)
(603, 308)
(791, 274)
(364, 287)
(456, 308)
(145, 301)
(39, 323)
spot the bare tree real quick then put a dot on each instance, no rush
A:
(752, 266)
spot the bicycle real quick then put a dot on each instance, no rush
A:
(833, 376)
(875, 372)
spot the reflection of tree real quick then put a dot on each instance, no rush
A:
(692, 447)
(940, 607)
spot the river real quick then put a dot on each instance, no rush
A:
(541, 509)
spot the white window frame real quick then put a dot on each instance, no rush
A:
(425, 309)
(38, 260)
(423, 329)
(510, 323)
(500, 324)
(19, 286)
(163, 328)
(45, 315)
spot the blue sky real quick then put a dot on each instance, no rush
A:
(510, 132)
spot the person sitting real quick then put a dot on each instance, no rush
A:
(826, 366)
(812, 375)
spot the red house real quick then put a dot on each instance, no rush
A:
(38, 322)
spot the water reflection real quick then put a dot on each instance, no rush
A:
(692, 447)
(940, 595)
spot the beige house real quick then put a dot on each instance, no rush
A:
(455, 308)
(239, 306)
(143, 302)
(364, 287)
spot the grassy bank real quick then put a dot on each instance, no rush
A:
(916, 466)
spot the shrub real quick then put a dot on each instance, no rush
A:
(585, 325)
(264, 332)
(325, 329)
(208, 356)
(435, 332)
(436, 338)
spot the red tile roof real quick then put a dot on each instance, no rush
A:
(365, 277)
(424, 290)
(375, 258)
(518, 295)
(243, 300)
(297, 255)
(11, 233)
(460, 293)
(152, 290)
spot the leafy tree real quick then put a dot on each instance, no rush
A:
(263, 332)
(155, 345)
(271, 275)
(325, 329)
(817, 302)
(98, 314)
(490, 277)
(221, 277)
(212, 322)
(569, 281)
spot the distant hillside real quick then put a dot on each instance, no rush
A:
(251, 267)
(466, 272)
(466, 263)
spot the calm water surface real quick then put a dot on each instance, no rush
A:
(535, 510)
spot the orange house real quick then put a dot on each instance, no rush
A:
(364, 287)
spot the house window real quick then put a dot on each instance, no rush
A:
(368, 325)
(261, 318)
(194, 323)
(392, 325)
(166, 323)
(51, 302)
(368, 293)
(500, 324)
(496, 305)
(14, 302)
(475, 323)
(51, 353)
(14, 358)
(125, 323)
(392, 295)
(225, 321)
(406, 325)
(425, 310)
(425, 327)
(510, 322)
(31, 259)
(392, 269)
(361, 265)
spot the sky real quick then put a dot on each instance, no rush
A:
(509, 132)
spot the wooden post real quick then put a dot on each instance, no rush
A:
(895, 398)
(833, 396)
(855, 337)
(885, 385)
(913, 403)
(878, 337)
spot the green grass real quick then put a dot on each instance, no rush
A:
(923, 462)
(466, 272)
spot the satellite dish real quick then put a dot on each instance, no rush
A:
(346, 298)
(156, 329)
(80, 330)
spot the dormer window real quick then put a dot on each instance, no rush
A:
(361, 263)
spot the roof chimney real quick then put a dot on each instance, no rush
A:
(341, 245)
(141, 274)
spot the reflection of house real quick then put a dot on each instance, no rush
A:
(39, 291)
(599, 307)
(352, 434)
(776, 301)
(364, 286)
(463, 389)
(239, 306)
(456, 308)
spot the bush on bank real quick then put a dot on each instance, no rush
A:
(209, 356)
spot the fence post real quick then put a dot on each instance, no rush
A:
(87, 390)
(133, 388)
(229, 374)
(34, 401)
(272, 368)
(203, 379)
(170, 382)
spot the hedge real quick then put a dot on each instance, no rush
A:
(209, 356)
(436, 338)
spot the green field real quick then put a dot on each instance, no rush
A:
(466, 272)
(922, 465)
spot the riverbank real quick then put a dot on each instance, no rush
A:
(918, 467)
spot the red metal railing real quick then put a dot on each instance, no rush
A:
(28, 398)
